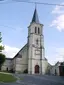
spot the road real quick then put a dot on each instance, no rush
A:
(25, 79)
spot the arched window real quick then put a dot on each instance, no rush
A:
(35, 29)
(38, 30)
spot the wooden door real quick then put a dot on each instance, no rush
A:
(37, 69)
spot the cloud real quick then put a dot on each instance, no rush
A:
(55, 54)
(58, 10)
(58, 55)
(58, 22)
(10, 51)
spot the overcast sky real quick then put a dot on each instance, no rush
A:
(15, 17)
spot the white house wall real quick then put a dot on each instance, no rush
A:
(22, 62)
(44, 66)
(52, 70)
(14, 64)
(7, 64)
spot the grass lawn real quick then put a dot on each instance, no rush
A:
(7, 78)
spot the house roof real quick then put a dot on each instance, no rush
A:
(19, 51)
(59, 63)
(35, 17)
(9, 58)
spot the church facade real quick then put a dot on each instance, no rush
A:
(31, 58)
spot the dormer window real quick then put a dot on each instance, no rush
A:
(35, 29)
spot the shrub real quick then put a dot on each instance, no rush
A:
(25, 71)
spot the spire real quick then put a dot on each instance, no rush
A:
(35, 17)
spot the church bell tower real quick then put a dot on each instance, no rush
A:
(35, 46)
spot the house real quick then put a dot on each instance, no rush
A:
(57, 69)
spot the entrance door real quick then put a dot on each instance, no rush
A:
(37, 69)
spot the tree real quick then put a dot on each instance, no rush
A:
(2, 56)
(2, 59)
(1, 47)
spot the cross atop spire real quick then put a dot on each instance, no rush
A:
(35, 17)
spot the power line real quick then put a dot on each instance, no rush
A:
(49, 4)
(8, 27)
(38, 3)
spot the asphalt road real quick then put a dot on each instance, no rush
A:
(25, 79)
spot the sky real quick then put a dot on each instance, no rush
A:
(15, 17)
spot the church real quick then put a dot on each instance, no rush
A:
(31, 58)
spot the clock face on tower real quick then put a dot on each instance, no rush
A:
(37, 51)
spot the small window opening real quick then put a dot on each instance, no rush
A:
(35, 29)
(38, 30)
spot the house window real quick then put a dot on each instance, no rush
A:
(35, 29)
(38, 30)
(19, 56)
(61, 63)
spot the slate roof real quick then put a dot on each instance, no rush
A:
(9, 58)
(17, 55)
(35, 17)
